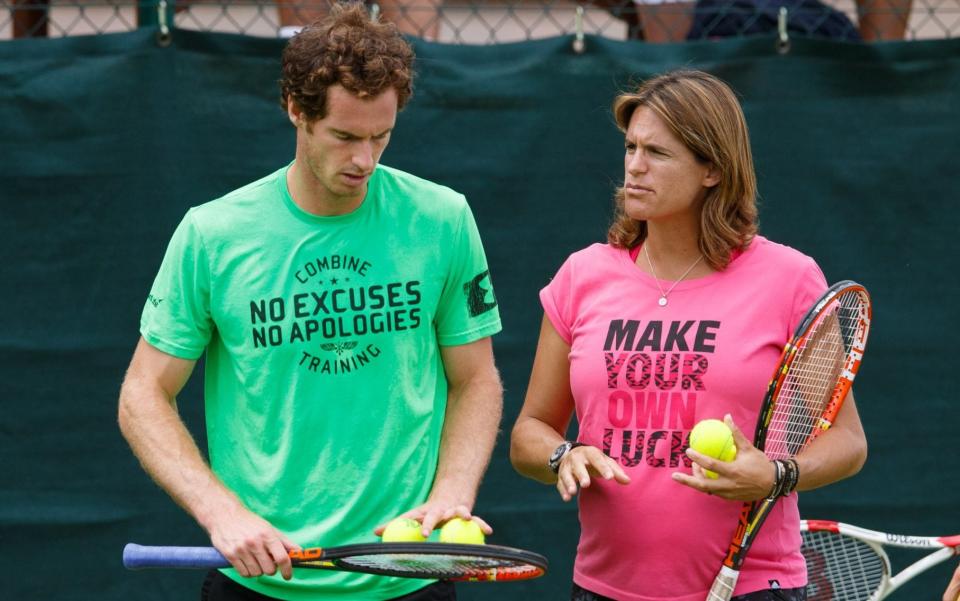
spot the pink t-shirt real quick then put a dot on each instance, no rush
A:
(642, 375)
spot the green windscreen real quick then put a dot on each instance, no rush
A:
(106, 141)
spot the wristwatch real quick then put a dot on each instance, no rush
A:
(559, 453)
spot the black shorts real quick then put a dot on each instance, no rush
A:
(774, 594)
(217, 587)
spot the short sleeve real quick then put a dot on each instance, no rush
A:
(176, 317)
(556, 298)
(811, 284)
(467, 310)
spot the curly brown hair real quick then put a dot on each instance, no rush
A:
(703, 113)
(347, 48)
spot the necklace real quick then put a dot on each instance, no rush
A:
(663, 295)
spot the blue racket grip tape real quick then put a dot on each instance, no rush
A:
(136, 557)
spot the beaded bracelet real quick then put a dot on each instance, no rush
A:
(786, 479)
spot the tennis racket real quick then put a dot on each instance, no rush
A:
(441, 561)
(815, 373)
(847, 563)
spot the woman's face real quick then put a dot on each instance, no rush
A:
(663, 180)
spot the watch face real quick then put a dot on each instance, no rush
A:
(558, 454)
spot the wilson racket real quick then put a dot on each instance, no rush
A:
(441, 561)
(847, 563)
(816, 370)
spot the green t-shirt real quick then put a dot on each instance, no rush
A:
(325, 390)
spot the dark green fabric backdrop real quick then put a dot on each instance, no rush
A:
(106, 141)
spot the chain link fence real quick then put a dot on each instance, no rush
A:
(499, 21)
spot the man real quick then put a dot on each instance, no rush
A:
(953, 588)
(345, 309)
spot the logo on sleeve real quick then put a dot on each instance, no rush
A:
(478, 290)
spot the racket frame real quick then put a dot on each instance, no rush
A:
(944, 548)
(754, 513)
(518, 563)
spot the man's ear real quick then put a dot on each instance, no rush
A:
(295, 113)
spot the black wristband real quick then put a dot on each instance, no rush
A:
(787, 477)
(793, 476)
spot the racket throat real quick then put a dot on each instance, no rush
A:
(736, 551)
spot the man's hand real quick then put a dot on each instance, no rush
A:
(436, 512)
(251, 544)
(953, 589)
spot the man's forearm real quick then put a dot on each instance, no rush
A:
(470, 428)
(159, 439)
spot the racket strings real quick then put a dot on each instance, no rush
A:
(436, 565)
(809, 382)
(841, 568)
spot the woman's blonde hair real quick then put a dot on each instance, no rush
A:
(704, 114)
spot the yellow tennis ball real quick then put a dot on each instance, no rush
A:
(403, 530)
(714, 439)
(462, 531)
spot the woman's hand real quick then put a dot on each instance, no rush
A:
(747, 478)
(579, 464)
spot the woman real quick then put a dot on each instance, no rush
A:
(680, 317)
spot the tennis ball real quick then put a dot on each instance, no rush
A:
(403, 530)
(462, 531)
(714, 439)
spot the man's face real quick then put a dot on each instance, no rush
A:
(341, 150)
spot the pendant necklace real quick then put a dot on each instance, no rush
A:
(663, 295)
